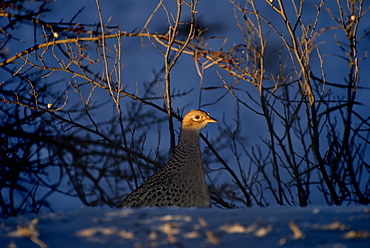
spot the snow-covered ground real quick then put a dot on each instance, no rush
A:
(335, 227)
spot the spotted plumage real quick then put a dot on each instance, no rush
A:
(180, 182)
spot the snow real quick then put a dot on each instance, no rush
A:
(320, 226)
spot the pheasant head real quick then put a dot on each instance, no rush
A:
(195, 120)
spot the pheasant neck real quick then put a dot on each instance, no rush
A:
(189, 138)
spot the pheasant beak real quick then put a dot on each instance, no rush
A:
(210, 119)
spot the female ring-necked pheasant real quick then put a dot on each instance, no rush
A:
(180, 182)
